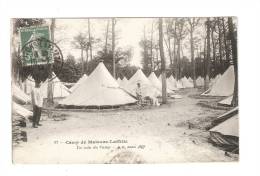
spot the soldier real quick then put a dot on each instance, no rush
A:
(37, 102)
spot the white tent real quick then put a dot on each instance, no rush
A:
(19, 95)
(172, 83)
(213, 80)
(200, 81)
(186, 83)
(179, 85)
(123, 82)
(227, 101)
(119, 80)
(224, 86)
(157, 83)
(99, 89)
(191, 80)
(59, 90)
(19, 110)
(147, 88)
(229, 127)
(78, 82)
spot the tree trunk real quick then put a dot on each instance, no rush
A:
(220, 45)
(89, 39)
(204, 62)
(151, 49)
(106, 39)
(178, 59)
(192, 56)
(227, 53)
(50, 83)
(208, 55)
(113, 47)
(164, 86)
(232, 34)
(213, 51)
(82, 61)
(174, 58)
(86, 59)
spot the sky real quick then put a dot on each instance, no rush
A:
(129, 30)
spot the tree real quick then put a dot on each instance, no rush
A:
(113, 46)
(106, 37)
(169, 23)
(89, 39)
(146, 60)
(179, 32)
(50, 83)
(193, 22)
(233, 38)
(71, 71)
(81, 42)
(207, 61)
(220, 42)
(163, 72)
(227, 50)
(212, 30)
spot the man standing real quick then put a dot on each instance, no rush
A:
(37, 102)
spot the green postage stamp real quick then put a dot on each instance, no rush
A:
(35, 45)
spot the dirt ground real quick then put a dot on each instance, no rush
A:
(155, 135)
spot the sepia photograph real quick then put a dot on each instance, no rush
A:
(124, 90)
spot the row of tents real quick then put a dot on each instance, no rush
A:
(101, 83)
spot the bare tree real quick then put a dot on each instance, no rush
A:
(163, 71)
(81, 42)
(220, 41)
(179, 33)
(106, 36)
(50, 83)
(89, 39)
(169, 24)
(227, 53)
(233, 39)
(207, 61)
(212, 27)
(113, 46)
(193, 22)
(151, 49)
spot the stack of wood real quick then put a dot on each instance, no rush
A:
(19, 135)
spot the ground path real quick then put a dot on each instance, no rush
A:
(154, 132)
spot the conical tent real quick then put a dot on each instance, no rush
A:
(160, 77)
(213, 80)
(19, 110)
(199, 81)
(228, 127)
(59, 90)
(98, 90)
(172, 83)
(224, 86)
(179, 84)
(186, 83)
(190, 79)
(19, 95)
(157, 83)
(227, 101)
(78, 82)
(123, 82)
(147, 88)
